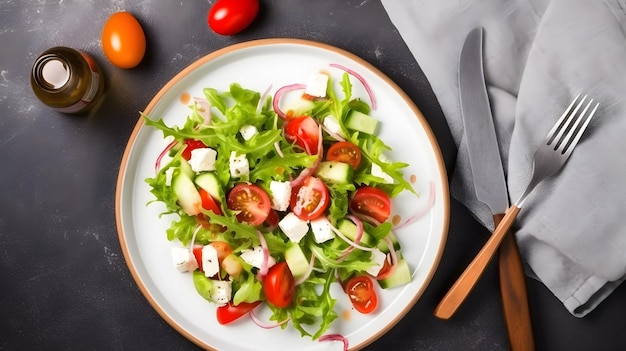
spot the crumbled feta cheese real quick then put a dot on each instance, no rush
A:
(316, 85)
(321, 230)
(254, 257)
(239, 165)
(378, 258)
(293, 227)
(331, 123)
(221, 291)
(203, 159)
(183, 260)
(281, 194)
(248, 131)
(210, 263)
(168, 176)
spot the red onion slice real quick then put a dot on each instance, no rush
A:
(424, 210)
(335, 337)
(157, 163)
(279, 94)
(266, 255)
(204, 109)
(361, 79)
(265, 325)
(308, 271)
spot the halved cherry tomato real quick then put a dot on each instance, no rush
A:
(279, 286)
(208, 202)
(229, 312)
(310, 200)
(360, 290)
(228, 17)
(304, 131)
(371, 202)
(346, 152)
(251, 201)
(190, 145)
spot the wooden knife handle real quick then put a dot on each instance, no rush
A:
(514, 295)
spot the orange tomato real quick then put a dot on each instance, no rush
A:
(123, 40)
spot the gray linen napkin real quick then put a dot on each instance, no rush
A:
(538, 55)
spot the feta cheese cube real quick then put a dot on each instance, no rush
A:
(293, 227)
(281, 194)
(331, 123)
(378, 258)
(254, 257)
(321, 230)
(248, 131)
(239, 165)
(183, 260)
(316, 85)
(203, 159)
(210, 263)
(221, 292)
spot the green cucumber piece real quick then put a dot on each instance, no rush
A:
(185, 167)
(361, 122)
(211, 184)
(400, 276)
(186, 193)
(382, 244)
(348, 228)
(296, 260)
(335, 172)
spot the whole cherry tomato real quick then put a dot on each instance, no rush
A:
(279, 286)
(228, 17)
(123, 40)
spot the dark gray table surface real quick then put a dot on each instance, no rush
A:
(64, 283)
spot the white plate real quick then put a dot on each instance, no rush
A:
(256, 65)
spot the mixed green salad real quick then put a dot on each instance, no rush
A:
(278, 197)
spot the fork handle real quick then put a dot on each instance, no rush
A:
(462, 287)
(514, 294)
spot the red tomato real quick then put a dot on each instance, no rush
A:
(360, 290)
(371, 202)
(310, 200)
(208, 202)
(251, 201)
(197, 253)
(279, 286)
(228, 17)
(190, 145)
(346, 152)
(304, 131)
(229, 312)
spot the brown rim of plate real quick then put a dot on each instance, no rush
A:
(275, 41)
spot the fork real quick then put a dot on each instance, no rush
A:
(549, 158)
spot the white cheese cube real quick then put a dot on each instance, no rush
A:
(293, 227)
(183, 260)
(378, 258)
(239, 165)
(254, 257)
(248, 131)
(221, 292)
(281, 194)
(168, 176)
(331, 123)
(321, 230)
(203, 159)
(210, 263)
(316, 85)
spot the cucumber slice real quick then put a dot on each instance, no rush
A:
(297, 262)
(361, 122)
(382, 244)
(335, 172)
(348, 228)
(187, 194)
(211, 184)
(185, 167)
(400, 276)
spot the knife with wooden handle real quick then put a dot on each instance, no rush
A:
(490, 188)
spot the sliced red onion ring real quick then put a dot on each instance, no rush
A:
(204, 109)
(266, 255)
(265, 325)
(424, 210)
(393, 262)
(259, 106)
(278, 149)
(333, 134)
(353, 244)
(308, 271)
(335, 337)
(361, 79)
(157, 163)
(279, 93)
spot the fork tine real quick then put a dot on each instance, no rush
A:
(572, 139)
(557, 126)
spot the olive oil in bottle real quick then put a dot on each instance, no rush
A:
(67, 80)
